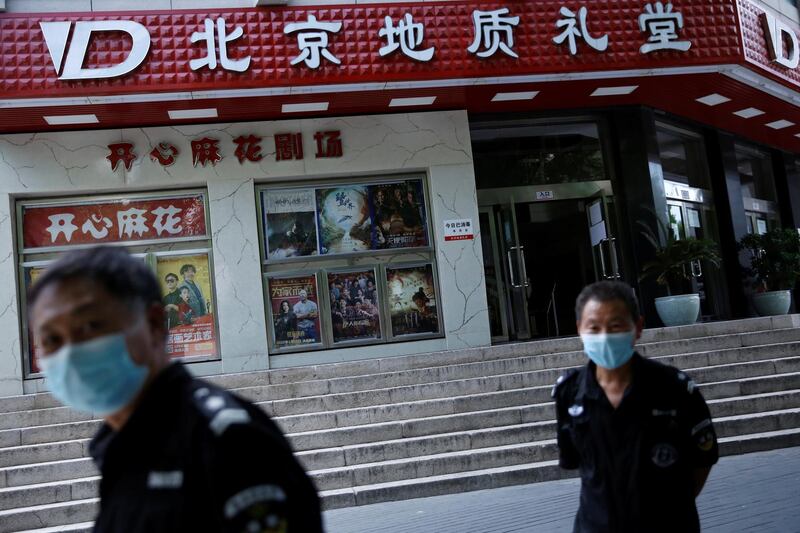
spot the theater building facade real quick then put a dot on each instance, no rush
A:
(315, 182)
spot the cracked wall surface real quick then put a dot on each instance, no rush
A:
(52, 164)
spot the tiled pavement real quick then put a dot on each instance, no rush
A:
(758, 492)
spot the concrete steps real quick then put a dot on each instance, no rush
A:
(403, 427)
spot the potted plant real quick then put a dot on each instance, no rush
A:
(673, 269)
(774, 267)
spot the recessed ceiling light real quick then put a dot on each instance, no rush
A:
(302, 108)
(183, 114)
(615, 91)
(780, 124)
(750, 112)
(60, 120)
(713, 99)
(513, 97)
(420, 100)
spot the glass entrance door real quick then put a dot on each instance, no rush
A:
(601, 235)
(691, 220)
(539, 254)
(496, 295)
(513, 251)
(535, 181)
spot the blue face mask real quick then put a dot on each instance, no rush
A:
(97, 376)
(609, 350)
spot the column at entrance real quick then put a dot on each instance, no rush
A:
(641, 197)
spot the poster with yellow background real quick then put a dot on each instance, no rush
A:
(189, 310)
(35, 351)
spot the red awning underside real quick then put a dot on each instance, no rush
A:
(677, 94)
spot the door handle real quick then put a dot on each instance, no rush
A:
(612, 252)
(697, 269)
(523, 266)
(511, 268)
(603, 270)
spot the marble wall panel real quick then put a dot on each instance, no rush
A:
(50, 164)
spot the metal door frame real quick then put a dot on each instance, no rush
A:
(499, 270)
(513, 284)
(601, 270)
(716, 295)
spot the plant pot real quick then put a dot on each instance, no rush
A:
(772, 303)
(680, 310)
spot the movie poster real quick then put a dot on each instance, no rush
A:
(294, 303)
(412, 300)
(398, 215)
(34, 350)
(355, 309)
(290, 225)
(189, 309)
(344, 222)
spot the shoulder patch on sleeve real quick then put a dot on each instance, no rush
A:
(219, 408)
(686, 382)
(226, 418)
(563, 378)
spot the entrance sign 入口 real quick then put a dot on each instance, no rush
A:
(543, 196)
(458, 230)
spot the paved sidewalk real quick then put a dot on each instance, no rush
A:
(757, 492)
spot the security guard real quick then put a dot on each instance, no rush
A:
(176, 453)
(639, 431)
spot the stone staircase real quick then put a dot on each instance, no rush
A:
(415, 426)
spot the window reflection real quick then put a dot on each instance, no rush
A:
(537, 155)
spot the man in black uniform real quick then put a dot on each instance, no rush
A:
(639, 431)
(176, 453)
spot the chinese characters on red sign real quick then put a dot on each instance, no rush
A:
(310, 40)
(113, 221)
(207, 150)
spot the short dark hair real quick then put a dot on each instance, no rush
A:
(185, 288)
(125, 277)
(608, 291)
(171, 275)
(184, 268)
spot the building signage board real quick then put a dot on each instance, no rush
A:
(124, 220)
(770, 43)
(309, 45)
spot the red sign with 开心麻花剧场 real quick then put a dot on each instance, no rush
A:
(123, 220)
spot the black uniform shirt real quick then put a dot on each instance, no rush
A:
(636, 462)
(194, 457)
